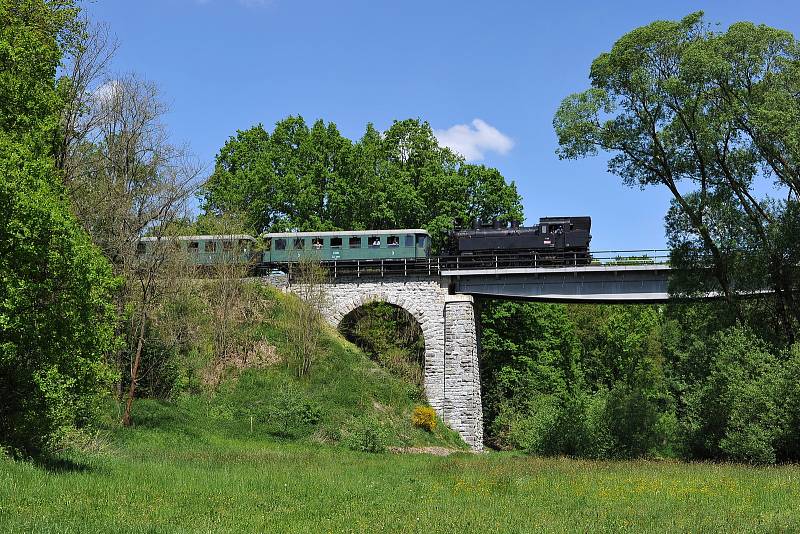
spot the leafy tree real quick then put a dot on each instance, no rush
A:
(529, 352)
(56, 318)
(315, 179)
(710, 116)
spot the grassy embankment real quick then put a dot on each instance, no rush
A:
(196, 465)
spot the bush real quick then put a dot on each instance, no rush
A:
(632, 420)
(424, 417)
(365, 434)
(56, 317)
(788, 397)
(291, 413)
(546, 425)
(733, 413)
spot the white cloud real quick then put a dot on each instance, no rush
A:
(475, 139)
(107, 92)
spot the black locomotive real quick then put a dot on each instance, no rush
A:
(553, 240)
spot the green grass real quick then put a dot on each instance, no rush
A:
(156, 480)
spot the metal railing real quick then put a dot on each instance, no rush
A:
(435, 265)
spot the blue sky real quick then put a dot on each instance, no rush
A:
(488, 76)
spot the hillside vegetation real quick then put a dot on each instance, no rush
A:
(345, 399)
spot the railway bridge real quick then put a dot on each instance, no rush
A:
(440, 294)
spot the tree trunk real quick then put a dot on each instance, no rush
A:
(126, 417)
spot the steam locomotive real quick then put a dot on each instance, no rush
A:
(553, 240)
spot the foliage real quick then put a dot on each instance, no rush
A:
(609, 398)
(365, 434)
(711, 116)
(313, 178)
(56, 321)
(734, 411)
(526, 350)
(391, 336)
(424, 417)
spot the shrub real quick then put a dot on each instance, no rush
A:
(365, 434)
(788, 395)
(424, 417)
(632, 419)
(733, 413)
(292, 413)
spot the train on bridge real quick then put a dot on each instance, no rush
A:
(554, 241)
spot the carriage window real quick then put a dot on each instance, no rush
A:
(210, 246)
(409, 241)
(336, 242)
(421, 241)
(374, 241)
(355, 242)
(194, 247)
(280, 244)
(227, 245)
(244, 245)
(393, 241)
(299, 243)
(140, 248)
(316, 242)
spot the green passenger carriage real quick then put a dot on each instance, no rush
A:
(346, 245)
(205, 250)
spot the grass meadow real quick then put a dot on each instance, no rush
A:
(153, 480)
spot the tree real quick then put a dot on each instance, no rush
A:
(315, 179)
(528, 352)
(56, 317)
(304, 315)
(710, 116)
(126, 180)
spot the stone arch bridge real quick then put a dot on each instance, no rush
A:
(441, 300)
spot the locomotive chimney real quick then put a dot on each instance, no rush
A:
(496, 224)
(476, 224)
(514, 224)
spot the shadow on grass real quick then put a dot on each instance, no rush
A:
(62, 464)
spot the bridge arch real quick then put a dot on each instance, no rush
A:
(451, 374)
(416, 310)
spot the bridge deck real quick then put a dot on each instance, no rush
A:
(591, 283)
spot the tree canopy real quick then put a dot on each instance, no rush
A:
(313, 178)
(56, 321)
(713, 117)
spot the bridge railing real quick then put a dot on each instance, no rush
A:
(631, 257)
(437, 264)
